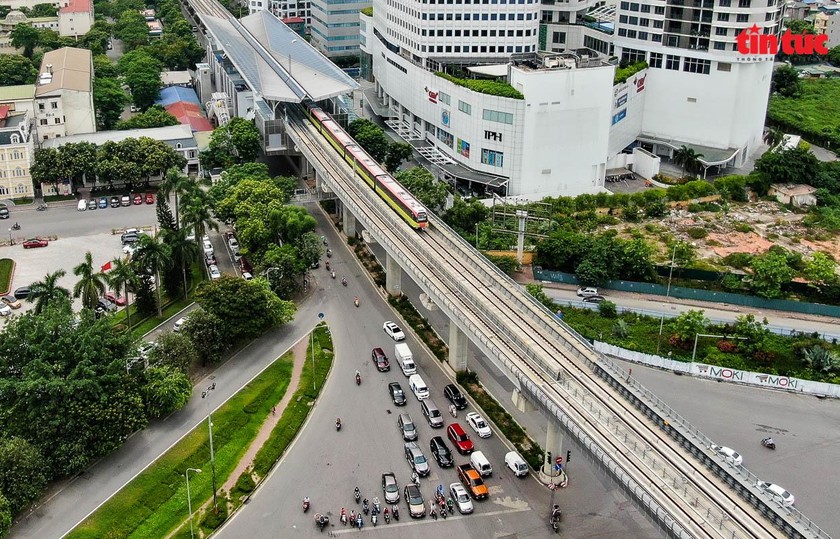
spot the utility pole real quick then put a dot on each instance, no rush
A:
(204, 394)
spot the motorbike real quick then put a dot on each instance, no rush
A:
(360, 521)
(395, 511)
(305, 505)
(327, 265)
(373, 520)
(324, 239)
(376, 505)
(344, 281)
(321, 520)
(42, 207)
(365, 506)
(356, 301)
(555, 518)
(415, 479)
(15, 226)
(332, 274)
(768, 443)
(450, 504)
(329, 253)
(433, 513)
(338, 424)
(357, 494)
(358, 379)
(387, 515)
(343, 517)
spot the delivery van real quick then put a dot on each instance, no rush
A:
(405, 359)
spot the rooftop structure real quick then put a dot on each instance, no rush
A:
(64, 94)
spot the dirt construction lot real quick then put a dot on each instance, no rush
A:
(33, 264)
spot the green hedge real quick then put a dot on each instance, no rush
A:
(420, 326)
(489, 87)
(368, 11)
(624, 73)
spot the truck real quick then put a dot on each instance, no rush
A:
(471, 480)
(405, 358)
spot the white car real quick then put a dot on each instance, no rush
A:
(214, 272)
(393, 331)
(233, 244)
(462, 499)
(732, 456)
(479, 425)
(130, 248)
(587, 292)
(208, 247)
(247, 276)
(784, 497)
(5, 310)
(179, 324)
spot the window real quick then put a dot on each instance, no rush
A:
(633, 55)
(444, 98)
(492, 158)
(725, 3)
(724, 66)
(693, 65)
(720, 31)
(464, 107)
(445, 137)
(720, 46)
(645, 8)
(559, 37)
(723, 17)
(743, 3)
(496, 116)
(15, 139)
(41, 107)
(742, 17)
(656, 59)
(659, 10)
(672, 62)
(54, 105)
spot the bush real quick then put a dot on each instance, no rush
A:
(738, 260)
(697, 233)
(244, 485)
(743, 227)
(213, 519)
(622, 74)
(489, 87)
(607, 309)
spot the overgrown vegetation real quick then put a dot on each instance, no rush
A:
(368, 11)
(6, 267)
(420, 326)
(489, 87)
(625, 72)
(813, 112)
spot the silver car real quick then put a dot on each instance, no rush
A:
(390, 488)
(416, 459)
(462, 499)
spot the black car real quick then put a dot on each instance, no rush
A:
(115, 202)
(454, 395)
(22, 292)
(440, 452)
(106, 305)
(380, 360)
(593, 299)
(397, 394)
(4, 212)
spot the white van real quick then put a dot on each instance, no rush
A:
(405, 358)
(418, 387)
(516, 463)
(480, 463)
(82, 205)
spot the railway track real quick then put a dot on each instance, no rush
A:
(670, 475)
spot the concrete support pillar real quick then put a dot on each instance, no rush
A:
(554, 444)
(522, 404)
(349, 221)
(393, 276)
(457, 348)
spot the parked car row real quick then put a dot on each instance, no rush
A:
(115, 201)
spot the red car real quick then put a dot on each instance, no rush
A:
(110, 296)
(150, 198)
(460, 439)
(138, 199)
(35, 242)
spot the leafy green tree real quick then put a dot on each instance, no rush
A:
(507, 264)
(91, 284)
(184, 253)
(5, 515)
(770, 272)
(176, 52)
(208, 335)
(105, 68)
(310, 248)
(197, 213)
(250, 198)
(235, 174)
(26, 37)
(786, 82)
(47, 291)
(73, 371)
(155, 255)
(820, 270)
(164, 214)
(122, 277)
(42, 10)
(109, 100)
(22, 477)
(423, 185)
(142, 74)
(248, 308)
(796, 165)
(145, 294)
(78, 162)
(398, 152)
(371, 137)
(834, 56)
(47, 166)
(687, 325)
(772, 137)
(174, 350)
(166, 390)
(131, 28)
(16, 69)
(688, 159)
(536, 290)
(291, 222)
(608, 309)
(283, 265)
(563, 250)
(463, 216)
(95, 40)
(155, 116)
(238, 141)
(636, 263)
(683, 254)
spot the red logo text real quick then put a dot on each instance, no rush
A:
(752, 41)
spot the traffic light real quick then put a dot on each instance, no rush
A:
(568, 456)
(548, 457)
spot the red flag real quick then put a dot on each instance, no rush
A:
(106, 266)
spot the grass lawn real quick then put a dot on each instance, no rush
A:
(154, 504)
(815, 114)
(6, 265)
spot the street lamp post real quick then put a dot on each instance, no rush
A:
(204, 394)
(667, 294)
(189, 499)
(312, 345)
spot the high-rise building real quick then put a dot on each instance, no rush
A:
(334, 29)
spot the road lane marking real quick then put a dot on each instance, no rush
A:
(427, 519)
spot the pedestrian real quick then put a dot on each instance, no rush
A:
(273, 410)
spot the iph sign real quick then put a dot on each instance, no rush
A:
(752, 41)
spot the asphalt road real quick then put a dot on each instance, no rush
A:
(326, 465)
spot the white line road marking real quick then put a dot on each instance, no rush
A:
(414, 522)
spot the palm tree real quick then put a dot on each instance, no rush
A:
(773, 137)
(45, 291)
(183, 250)
(156, 255)
(123, 276)
(177, 183)
(687, 158)
(197, 213)
(91, 284)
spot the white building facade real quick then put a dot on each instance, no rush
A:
(334, 26)
(64, 94)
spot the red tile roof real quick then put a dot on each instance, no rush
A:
(190, 114)
(292, 20)
(76, 6)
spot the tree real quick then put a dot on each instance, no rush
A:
(536, 290)
(145, 301)
(142, 74)
(608, 309)
(396, 154)
(688, 159)
(834, 56)
(184, 253)
(687, 325)
(311, 249)
(285, 264)
(26, 37)
(197, 213)
(820, 270)
(773, 137)
(166, 390)
(208, 335)
(507, 264)
(636, 263)
(16, 69)
(164, 215)
(47, 290)
(770, 272)
(22, 477)
(65, 387)
(155, 116)
(423, 185)
(174, 350)
(795, 165)
(91, 284)
(291, 222)
(5, 516)
(177, 183)
(563, 250)
(95, 41)
(156, 256)
(463, 216)
(371, 137)
(122, 277)
(786, 82)
(238, 141)
(109, 100)
(131, 28)
(248, 307)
